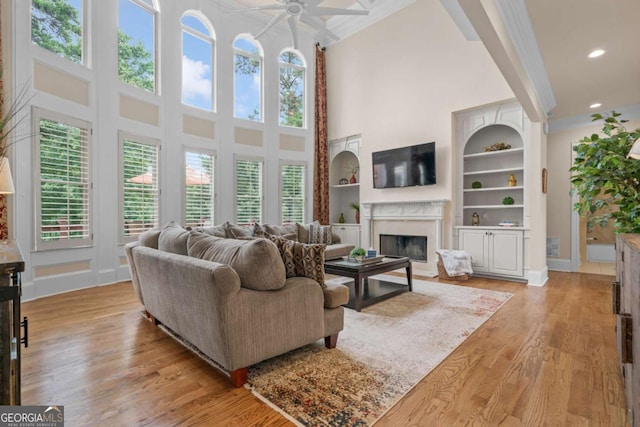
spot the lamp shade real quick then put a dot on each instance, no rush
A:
(634, 153)
(6, 181)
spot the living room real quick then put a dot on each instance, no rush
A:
(409, 99)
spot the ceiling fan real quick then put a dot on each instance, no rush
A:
(305, 11)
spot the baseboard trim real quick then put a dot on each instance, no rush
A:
(538, 277)
(555, 264)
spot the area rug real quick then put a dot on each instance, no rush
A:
(383, 352)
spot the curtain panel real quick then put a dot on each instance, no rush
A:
(321, 149)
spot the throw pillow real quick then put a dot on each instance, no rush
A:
(285, 247)
(150, 238)
(173, 238)
(280, 230)
(217, 231)
(257, 261)
(309, 261)
(303, 231)
(320, 234)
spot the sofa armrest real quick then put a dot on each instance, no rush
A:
(335, 294)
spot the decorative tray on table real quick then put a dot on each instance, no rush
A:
(363, 261)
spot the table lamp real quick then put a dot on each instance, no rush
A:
(6, 181)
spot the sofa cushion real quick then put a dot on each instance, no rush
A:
(236, 231)
(257, 261)
(335, 295)
(150, 238)
(173, 238)
(320, 234)
(281, 230)
(285, 247)
(303, 231)
(217, 231)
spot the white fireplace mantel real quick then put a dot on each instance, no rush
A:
(420, 210)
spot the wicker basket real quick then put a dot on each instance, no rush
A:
(442, 272)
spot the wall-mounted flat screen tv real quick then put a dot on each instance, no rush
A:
(405, 166)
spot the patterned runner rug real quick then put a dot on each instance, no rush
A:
(382, 353)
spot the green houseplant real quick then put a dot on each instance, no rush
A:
(605, 179)
(356, 207)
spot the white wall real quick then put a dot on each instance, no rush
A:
(398, 83)
(95, 94)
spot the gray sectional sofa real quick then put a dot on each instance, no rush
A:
(231, 298)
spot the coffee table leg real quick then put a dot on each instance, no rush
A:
(358, 296)
(409, 276)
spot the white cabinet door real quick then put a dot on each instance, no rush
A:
(475, 242)
(506, 252)
(348, 233)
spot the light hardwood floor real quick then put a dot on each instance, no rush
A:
(548, 357)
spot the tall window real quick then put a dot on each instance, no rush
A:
(199, 188)
(140, 190)
(58, 27)
(292, 81)
(197, 63)
(248, 191)
(248, 80)
(137, 43)
(292, 194)
(63, 181)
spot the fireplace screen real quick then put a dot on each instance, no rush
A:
(414, 247)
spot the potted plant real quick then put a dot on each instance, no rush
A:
(356, 207)
(357, 254)
(606, 179)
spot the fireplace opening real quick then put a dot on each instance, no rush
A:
(414, 247)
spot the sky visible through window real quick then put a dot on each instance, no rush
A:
(247, 82)
(197, 52)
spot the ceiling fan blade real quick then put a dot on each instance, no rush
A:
(271, 23)
(319, 25)
(293, 26)
(275, 6)
(320, 11)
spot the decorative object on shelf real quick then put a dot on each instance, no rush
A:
(353, 179)
(476, 184)
(513, 181)
(601, 159)
(508, 224)
(498, 146)
(508, 200)
(544, 180)
(341, 218)
(357, 254)
(352, 168)
(356, 207)
(343, 181)
(475, 219)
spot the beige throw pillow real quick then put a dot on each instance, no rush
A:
(320, 234)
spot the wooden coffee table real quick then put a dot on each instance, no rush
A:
(361, 273)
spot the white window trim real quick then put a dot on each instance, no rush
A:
(237, 157)
(185, 150)
(39, 244)
(207, 38)
(304, 180)
(260, 57)
(122, 135)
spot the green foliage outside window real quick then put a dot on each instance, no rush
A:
(56, 26)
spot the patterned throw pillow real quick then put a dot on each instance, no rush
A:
(309, 261)
(320, 234)
(285, 246)
(303, 231)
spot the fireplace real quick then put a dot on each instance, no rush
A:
(414, 247)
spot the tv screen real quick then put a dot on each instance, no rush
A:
(405, 167)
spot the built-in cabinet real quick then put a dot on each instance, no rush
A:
(344, 187)
(492, 216)
(626, 307)
(494, 250)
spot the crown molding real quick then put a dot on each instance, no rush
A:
(345, 25)
(518, 24)
(629, 112)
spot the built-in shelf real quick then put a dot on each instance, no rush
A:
(493, 206)
(473, 190)
(498, 153)
(492, 171)
(357, 184)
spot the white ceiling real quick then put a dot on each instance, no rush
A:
(566, 31)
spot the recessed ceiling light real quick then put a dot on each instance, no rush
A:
(596, 53)
(595, 105)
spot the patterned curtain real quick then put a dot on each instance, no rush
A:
(4, 230)
(321, 151)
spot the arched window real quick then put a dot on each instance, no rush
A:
(247, 87)
(60, 28)
(137, 45)
(292, 89)
(197, 62)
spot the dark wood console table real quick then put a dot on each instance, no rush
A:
(11, 265)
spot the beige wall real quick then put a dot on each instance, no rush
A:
(559, 160)
(398, 82)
